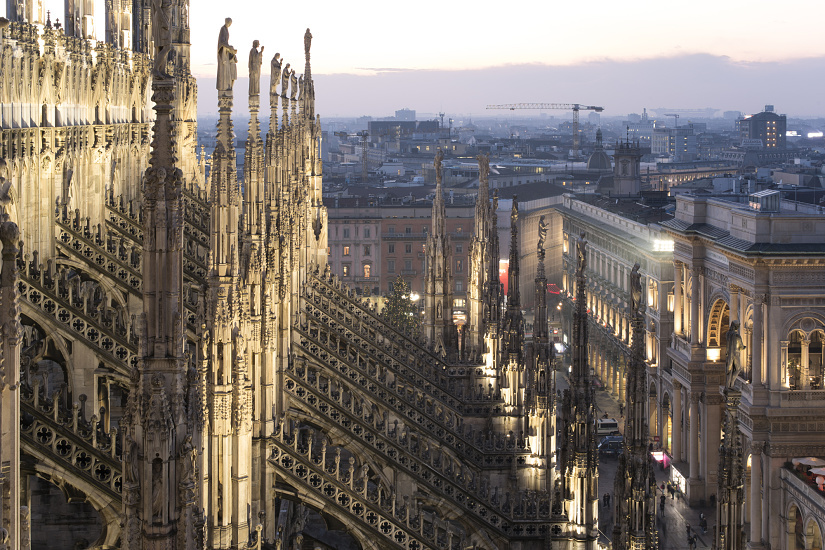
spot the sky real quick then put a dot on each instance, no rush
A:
(458, 56)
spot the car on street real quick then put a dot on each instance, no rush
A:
(612, 445)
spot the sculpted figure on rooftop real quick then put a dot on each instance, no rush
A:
(227, 60)
(255, 62)
(274, 74)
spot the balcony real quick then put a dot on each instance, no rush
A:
(367, 280)
(802, 398)
(404, 236)
(803, 488)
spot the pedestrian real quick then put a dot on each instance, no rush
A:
(662, 504)
(663, 487)
(604, 500)
(621, 410)
(692, 542)
(687, 526)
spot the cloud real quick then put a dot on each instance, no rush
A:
(682, 81)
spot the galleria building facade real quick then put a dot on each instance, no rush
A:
(177, 355)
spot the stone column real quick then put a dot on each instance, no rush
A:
(677, 298)
(622, 379)
(693, 442)
(694, 307)
(756, 343)
(805, 381)
(756, 496)
(713, 418)
(783, 361)
(676, 448)
(734, 303)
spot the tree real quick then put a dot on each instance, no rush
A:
(400, 309)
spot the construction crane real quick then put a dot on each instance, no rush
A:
(363, 135)
(674, 115)
(575, 107)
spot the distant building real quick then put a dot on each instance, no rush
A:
(405, 114)
(677, 143)
(766, 128)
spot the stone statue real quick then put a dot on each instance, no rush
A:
(188, 455)
(256, 58)
(293, 92)
(734, 347)
(542, 233)
(285, 81)
(130, 459)
(635, 291)
(307, 41)
(157, 491)
(581, 252)
(274, 73)
(161, 34)
(227, 60)
(495, 203)
(439, 157)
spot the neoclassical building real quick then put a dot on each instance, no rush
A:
(617, 242)
(758, 261)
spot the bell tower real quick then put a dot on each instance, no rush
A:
(627, 180)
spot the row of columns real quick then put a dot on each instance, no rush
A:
(610, 367)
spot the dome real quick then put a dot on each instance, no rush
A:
(599, 160)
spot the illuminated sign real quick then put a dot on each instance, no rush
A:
(815, 134)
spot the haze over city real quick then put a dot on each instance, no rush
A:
(458, 57)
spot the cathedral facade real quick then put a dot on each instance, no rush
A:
(186, 363)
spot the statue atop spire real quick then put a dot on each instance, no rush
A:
(255, 62)
(227, 60)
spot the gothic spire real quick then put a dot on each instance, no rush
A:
(162, 422)
(438, 304)
(513, 294)
(579, 460)
(635, 482)
(439, 216)
(480, 257)
(513, 329)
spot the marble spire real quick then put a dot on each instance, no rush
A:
(162, 421)
(438, 304)
(579, 461)
(635, 481)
